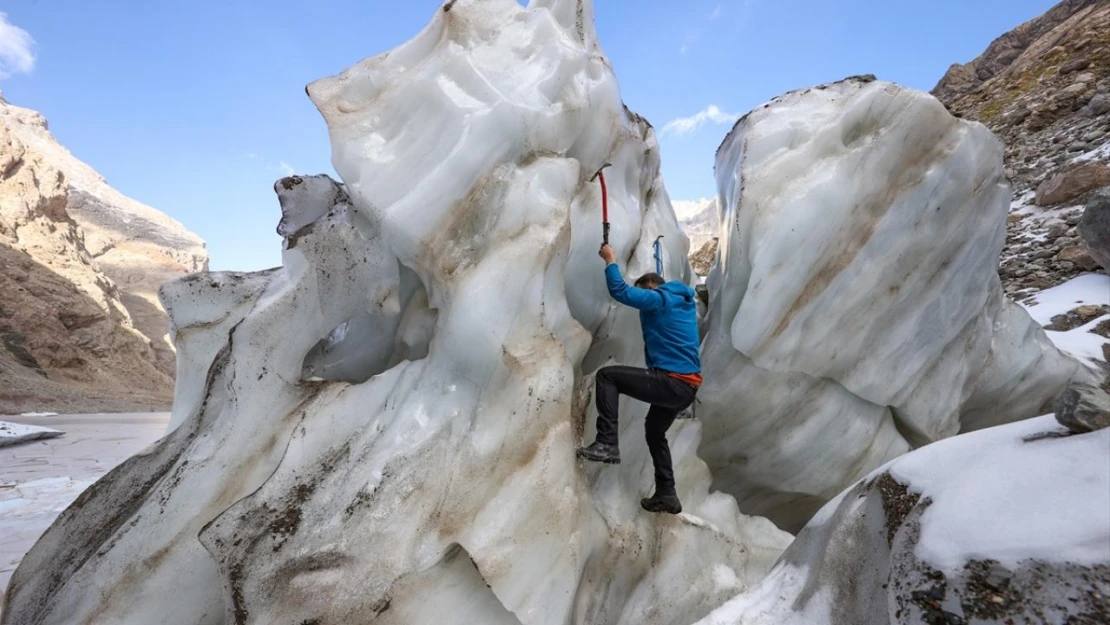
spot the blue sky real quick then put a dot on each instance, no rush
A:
(197, 107)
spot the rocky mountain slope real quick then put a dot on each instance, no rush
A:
(700, 220)
(1044, 89)
(80, 321)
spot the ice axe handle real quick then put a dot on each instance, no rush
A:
(604, 203)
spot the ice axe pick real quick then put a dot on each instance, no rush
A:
(600, 175)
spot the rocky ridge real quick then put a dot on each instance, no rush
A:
(702, 260)
(1044, 89)
(80, 322)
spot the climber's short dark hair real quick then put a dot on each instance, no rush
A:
(650, 281)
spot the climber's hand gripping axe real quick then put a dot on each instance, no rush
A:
(600, 175)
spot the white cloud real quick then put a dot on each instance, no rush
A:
(686, 125)
(16, 56)
(281, 166)
(691, 39)
(716, 12)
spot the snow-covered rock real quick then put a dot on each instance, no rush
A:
(855, 311)
(16, 433)
(455, 280)
(1007, 525)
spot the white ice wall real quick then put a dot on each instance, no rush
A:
(445, 488)
(855, 309)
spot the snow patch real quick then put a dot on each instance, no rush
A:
(1101, 153)
(1089, 289)
(1023, 203)
(1082, 342)
(993, 515)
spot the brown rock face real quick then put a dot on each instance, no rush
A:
(69, 339)
(1033, 87)
(1072, 184)
(703, 259)
(1044, 89)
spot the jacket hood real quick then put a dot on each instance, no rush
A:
(678, 289)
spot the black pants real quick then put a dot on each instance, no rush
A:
(667, 397)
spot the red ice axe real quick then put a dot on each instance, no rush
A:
(600, 175)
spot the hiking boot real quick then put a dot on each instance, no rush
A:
(662, 503)
(600, 452)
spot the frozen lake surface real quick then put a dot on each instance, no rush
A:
(38, 480)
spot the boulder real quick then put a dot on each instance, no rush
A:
(1073, 183)
(1099, 105)
(1056, 230)
(1078, 255)
(1095, 227)
(1083, 408)
(1008, 526)
(1077, 65)
(1074, 89)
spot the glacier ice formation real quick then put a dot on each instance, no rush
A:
(395, 409)
(382, 429)
(855, 307)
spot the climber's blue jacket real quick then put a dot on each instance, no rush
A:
(669, 318)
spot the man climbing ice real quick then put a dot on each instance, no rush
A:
(669, 321)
